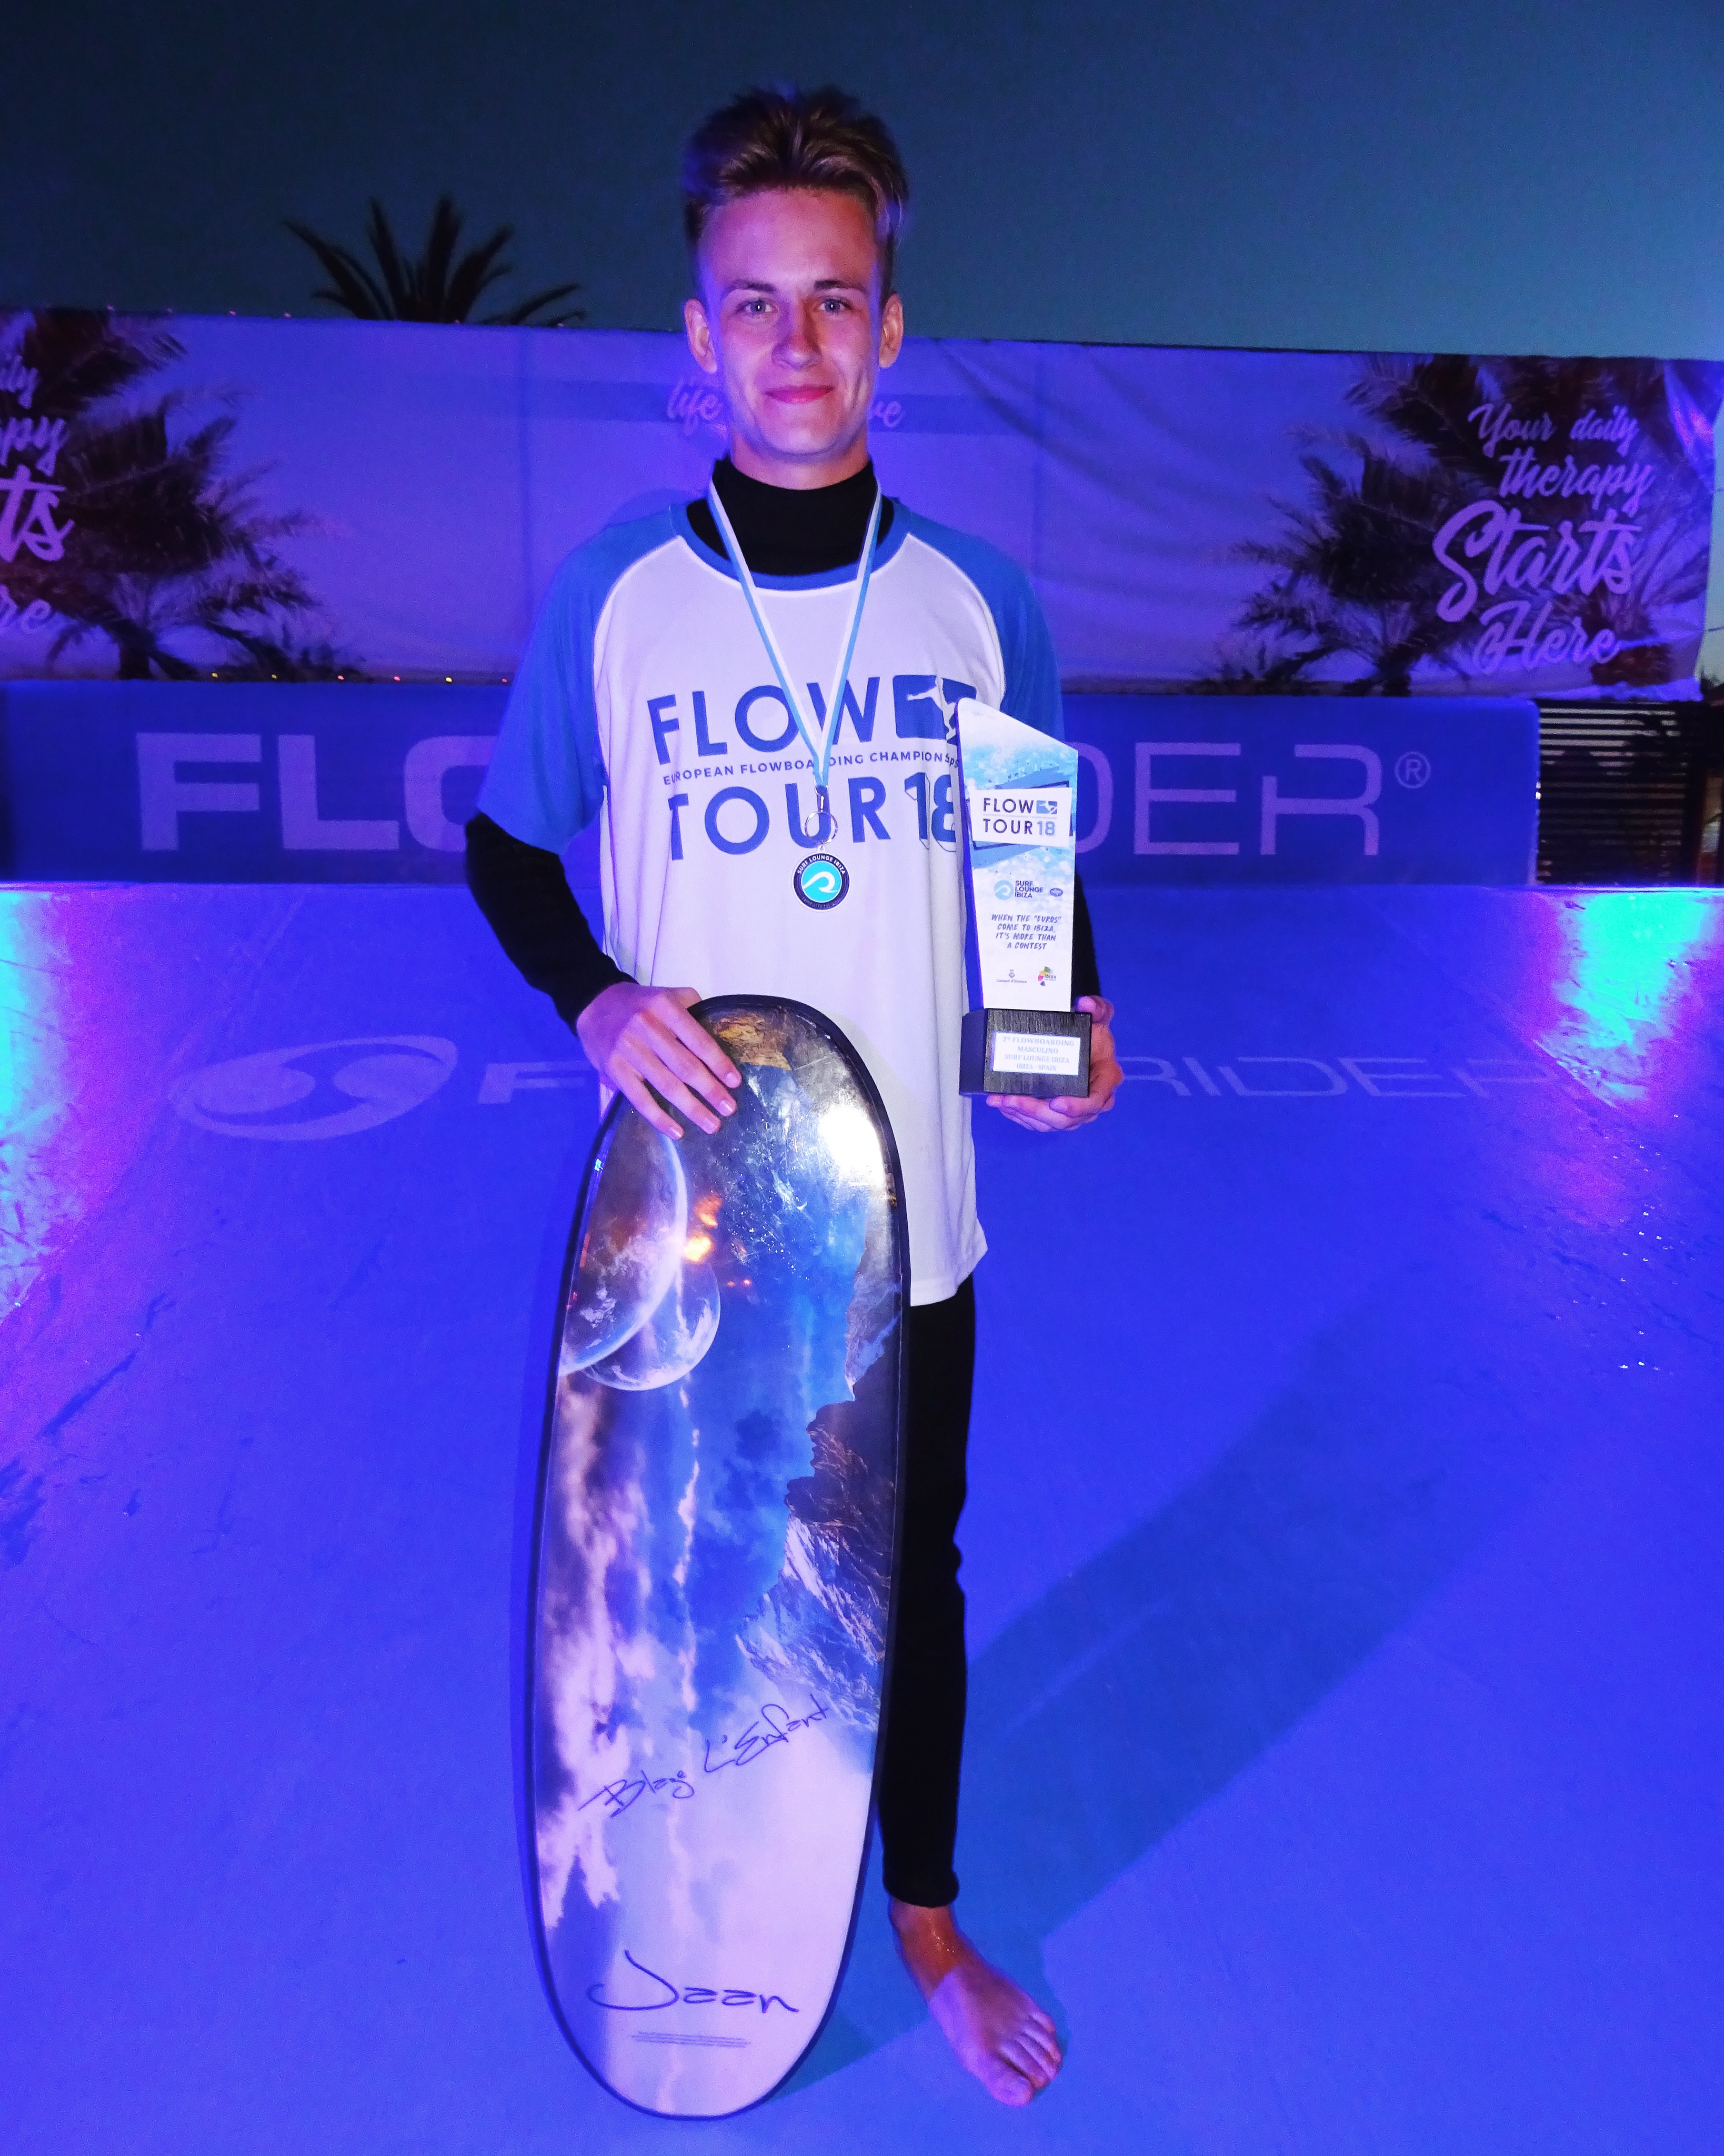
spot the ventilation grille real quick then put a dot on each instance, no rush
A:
(1623, 791)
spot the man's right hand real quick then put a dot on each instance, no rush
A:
(637, 1037)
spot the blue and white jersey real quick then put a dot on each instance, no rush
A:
(646, 699)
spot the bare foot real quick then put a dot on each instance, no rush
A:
(999, 2033)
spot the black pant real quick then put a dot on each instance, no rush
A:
(924, 1736)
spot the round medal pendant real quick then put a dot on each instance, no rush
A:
(820, 881)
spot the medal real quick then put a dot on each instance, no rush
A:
(820, 748)
(820, 881)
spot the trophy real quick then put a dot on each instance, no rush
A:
(1020, 814)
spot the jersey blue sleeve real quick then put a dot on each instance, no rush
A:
(546, 777)
(1032, 690)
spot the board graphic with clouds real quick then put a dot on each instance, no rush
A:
(712, 1592)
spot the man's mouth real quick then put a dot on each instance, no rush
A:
(800, 393)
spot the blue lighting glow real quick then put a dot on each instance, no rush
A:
(32, 1091)
(1631, 957)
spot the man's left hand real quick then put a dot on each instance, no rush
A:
(1070, 1113)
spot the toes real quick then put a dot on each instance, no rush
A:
(1040, 2037)
(1036, 2071)
(1005, 2084)
(999, 2033)
(1046, 2063)
(1035, 2038)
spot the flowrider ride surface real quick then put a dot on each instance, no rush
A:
(712, 1592)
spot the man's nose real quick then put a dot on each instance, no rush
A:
(800, 344)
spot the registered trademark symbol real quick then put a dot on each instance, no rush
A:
(1413, 769)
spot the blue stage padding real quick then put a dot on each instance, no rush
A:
(348, 782)
(1344, 1553)
(224, 783)
(1306, 789)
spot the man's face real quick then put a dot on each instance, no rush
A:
(789, 319)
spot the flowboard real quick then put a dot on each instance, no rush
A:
(712, 1584)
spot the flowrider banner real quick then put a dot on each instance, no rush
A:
(341, 782)
(273, 501)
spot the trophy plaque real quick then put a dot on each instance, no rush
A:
(1020, 812)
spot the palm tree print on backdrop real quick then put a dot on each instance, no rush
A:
(436, 285)
(1358, 597)
(159, 548)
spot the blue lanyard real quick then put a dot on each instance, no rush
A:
(819, 750)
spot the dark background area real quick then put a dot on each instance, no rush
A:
(1340, 174)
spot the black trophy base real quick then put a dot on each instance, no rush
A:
(1043, 1053)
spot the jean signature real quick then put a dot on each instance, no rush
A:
(690, 1994)
(773, 1725)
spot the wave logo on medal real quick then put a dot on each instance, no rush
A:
(821, 881)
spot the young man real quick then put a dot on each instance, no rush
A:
(647, 695)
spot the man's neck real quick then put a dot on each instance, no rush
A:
(791, 531)
(797, 474)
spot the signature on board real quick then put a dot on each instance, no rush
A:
(772, 1725)
(668, 1994)
(618, 1796)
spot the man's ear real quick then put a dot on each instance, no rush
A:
(700, 335)
(891, 330)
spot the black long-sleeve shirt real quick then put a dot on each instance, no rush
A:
(521, 889)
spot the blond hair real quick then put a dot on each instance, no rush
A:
(771, 139)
